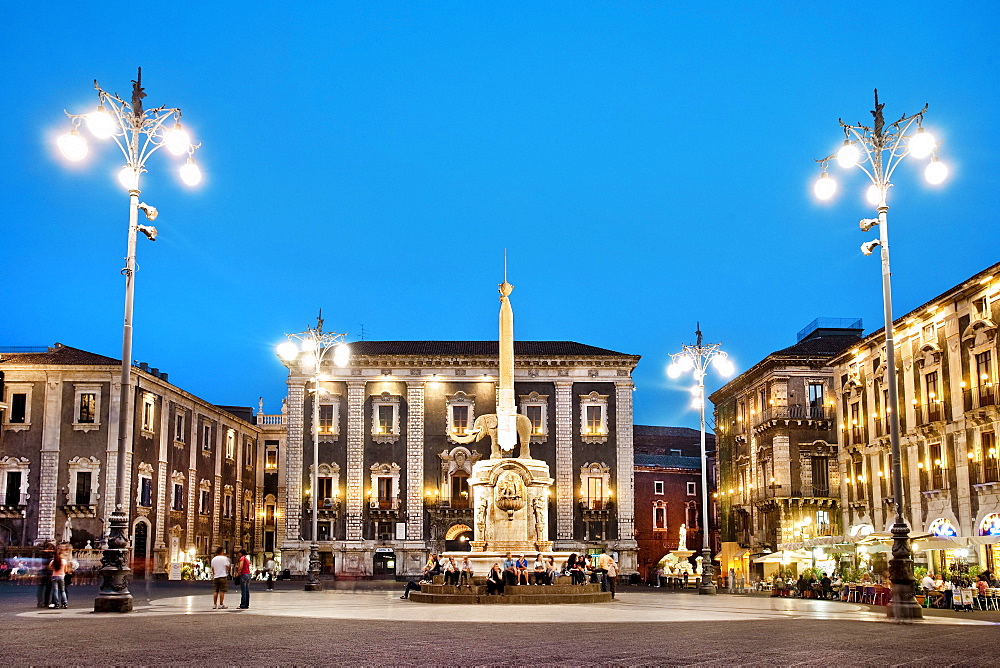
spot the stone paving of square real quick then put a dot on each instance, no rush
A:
(367, 624)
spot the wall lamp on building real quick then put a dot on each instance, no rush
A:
(138, 133)
(877, 151)
(697, 359)
(306, 352)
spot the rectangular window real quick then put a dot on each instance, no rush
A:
(147, 412)
(206, 437)
(991, 463)
(692, 489)
(12, 493)
(534, 413)
(459, 419)
(269, 514)
(248, 453)
(937, 465)
(178, 500)
(820, 476)
(931, 383)
(929, 333)
(384, 489)
(179, 428)
(659, 518)
(386, 418)
(146, 492)
(88, 408)
(325, 484)
(981, 308)
(230, 444)
(326, 418)
(858, 469)
(816, 400)
(271, 463)
(658, 487)
(83, 487)
(595, 492)
(247, 509)
(18, 408)
(205, 506)
(227, 505)
(595, 421)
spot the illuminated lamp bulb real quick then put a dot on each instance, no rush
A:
(100, 123)
(73, 146)
(848, 154)
(874, 195)
(127, 177)
(190, 173)
(825, 187)
(177, 140)
(288, 350)
(673, 370)
(921, 144)
(936, 172)
(341, 354)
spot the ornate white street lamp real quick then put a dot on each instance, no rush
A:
(697, 359)
(138, 133)
(878, 150)
(307, 350)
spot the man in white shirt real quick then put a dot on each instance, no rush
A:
(220, 571)
(606, 565)
(928, 582)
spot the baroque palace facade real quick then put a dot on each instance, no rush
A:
(393, 480)
(947, 384)
(195, 477)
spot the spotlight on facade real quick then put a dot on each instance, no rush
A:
(148, 230)
(867, 224)
(149, 210)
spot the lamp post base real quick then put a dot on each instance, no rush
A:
(902, 606)
(707, 585)
(115, 573)
(313, 583)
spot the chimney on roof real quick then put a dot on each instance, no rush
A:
(155, 371)
(163, 376)
(144, 366)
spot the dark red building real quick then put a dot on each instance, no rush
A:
(667, 491)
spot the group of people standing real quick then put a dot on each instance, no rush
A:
(222, 570)
(55, 576)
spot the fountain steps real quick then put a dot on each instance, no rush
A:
(513, 594)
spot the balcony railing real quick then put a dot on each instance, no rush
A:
(982, 472)
(384, 504)
(980, 396)
(794, 412)
(270, 419)
(595, 504)
(933, 412)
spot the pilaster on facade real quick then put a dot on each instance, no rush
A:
(355, 459)
(293, 461)
(626, 462)
(564, 459)
(160, 540)
(781, 456)
(191, 508)
(216, 505)
(48, 485)
(111, 451)
(414, 460)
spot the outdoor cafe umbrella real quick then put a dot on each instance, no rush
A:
(784, 557)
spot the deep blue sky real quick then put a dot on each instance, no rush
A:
(647, 165)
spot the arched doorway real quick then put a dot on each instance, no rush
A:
(140, 550)
(458, 538)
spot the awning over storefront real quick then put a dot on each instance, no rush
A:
(939, 543)
(984, 540)
(783, 556)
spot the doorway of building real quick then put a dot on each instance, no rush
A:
(140, 551)
(384, 563)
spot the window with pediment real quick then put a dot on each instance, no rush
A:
(84, 481)
(535, 407)
(14, 481)
(87, 407)
(594, 417)
(385, 418)
(461, 409)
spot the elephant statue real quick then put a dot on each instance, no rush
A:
(487, 425)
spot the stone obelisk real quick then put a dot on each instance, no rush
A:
(506, 410)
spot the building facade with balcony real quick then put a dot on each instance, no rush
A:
(777, 451)
(946, 365)
(668, 492)
(191, 473)
(392, 479)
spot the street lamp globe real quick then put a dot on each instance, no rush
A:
(177, 140)
(936, 172)
(126, 177)
(922, 144)
(824, 187)
(100, 123)
(848, 155)
(288, 350)
(342, 354)
(874, 195)
(73, 146)
(190, 173)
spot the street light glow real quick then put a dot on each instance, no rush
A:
(177, 140)
(288, 351)
(922, 144)
(848, 155)
(100, 123)
(824, 187)
(874, 195)
(73, 146)
(936, 172)
(190, 173)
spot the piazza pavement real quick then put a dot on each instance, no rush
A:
(366, 623)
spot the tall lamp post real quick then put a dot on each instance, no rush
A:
(697, 358)
(138, 133)
(878, 150)
(308, 349)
